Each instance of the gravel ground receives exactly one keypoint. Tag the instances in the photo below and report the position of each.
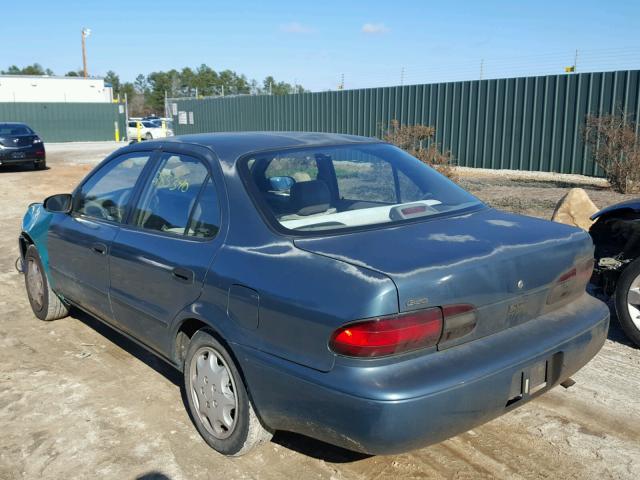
(77, 400)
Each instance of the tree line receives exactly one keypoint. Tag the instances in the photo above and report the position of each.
(146, 93)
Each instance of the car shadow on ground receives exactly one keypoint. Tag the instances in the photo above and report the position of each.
(292, 441)
(21, 168)
(316, 448)
(153, 476)
(616, 334)
(139, 352)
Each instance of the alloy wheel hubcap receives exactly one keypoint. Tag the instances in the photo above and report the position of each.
(34, 280)
(633, 301)
(214, 392)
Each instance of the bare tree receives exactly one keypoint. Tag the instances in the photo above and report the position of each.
(615, 148)
(418, 140)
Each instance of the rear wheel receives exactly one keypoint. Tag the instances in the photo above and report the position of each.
(148, 136)
(44, 302)
(217, 398)
(628, 301)
(40, 165)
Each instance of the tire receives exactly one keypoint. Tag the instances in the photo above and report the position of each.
(148, 136)
(44, 302)
(40, 165)
(234, 429)
(629, 280)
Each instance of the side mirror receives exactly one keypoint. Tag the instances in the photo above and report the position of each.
(60, 203)
(281, 184)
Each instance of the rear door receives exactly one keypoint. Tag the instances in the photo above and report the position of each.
(159, 260)
(79, 243)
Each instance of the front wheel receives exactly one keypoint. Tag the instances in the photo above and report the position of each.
(217, 398)
(628, 301)
(44, 302)
(148, 136)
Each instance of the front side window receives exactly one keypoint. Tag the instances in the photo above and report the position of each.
(334, 188)
(180, 199)
(106, 193)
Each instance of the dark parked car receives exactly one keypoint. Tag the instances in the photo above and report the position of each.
(20, 145)
(329, 285)
(616, 234)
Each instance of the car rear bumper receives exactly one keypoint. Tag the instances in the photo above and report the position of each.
(17, 156)
(395, 407)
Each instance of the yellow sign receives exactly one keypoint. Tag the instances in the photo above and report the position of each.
(570, 69)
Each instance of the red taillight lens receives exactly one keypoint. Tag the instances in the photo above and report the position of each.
(572, 282)
(389, 335)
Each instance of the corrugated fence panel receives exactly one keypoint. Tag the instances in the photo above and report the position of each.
(526, 123)
(67, 122)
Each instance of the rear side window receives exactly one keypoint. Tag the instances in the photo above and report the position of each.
(105, 195)
(179, 199)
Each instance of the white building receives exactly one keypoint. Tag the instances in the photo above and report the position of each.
(37, 88)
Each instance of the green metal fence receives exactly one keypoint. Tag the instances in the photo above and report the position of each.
(68, 122)
(528, 123)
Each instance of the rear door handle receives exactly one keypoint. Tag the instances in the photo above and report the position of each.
(100, 248)
(182, 274)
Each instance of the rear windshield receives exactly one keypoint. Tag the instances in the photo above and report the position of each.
(346, 186)
(15, 129)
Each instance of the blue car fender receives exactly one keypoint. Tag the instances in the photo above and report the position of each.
(35, 225)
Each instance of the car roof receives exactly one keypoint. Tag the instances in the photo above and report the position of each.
(229, 146)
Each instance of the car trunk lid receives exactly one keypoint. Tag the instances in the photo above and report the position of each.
(502, 264)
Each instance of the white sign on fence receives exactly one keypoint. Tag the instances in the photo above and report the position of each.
(190, 118)
(182, 118)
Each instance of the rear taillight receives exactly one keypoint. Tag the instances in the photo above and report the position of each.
(572, 282)
(404, 332)
(389, 335)
(459, 320)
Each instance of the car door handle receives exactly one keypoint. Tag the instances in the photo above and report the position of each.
(182, 274)
(100, 248)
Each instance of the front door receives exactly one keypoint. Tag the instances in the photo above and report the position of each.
(159, 261)
(79, 243)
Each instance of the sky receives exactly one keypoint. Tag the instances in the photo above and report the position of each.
(371, 43)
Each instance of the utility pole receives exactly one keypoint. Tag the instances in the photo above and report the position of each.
(85, 33)
(341, 84)
(481, 68)
(270, 88)
(402, 76)
(575, 62)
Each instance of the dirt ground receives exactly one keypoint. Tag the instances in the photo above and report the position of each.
(78, 400)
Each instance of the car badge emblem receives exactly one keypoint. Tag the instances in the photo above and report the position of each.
(16, 140)
(414, 302)
(520, 284)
